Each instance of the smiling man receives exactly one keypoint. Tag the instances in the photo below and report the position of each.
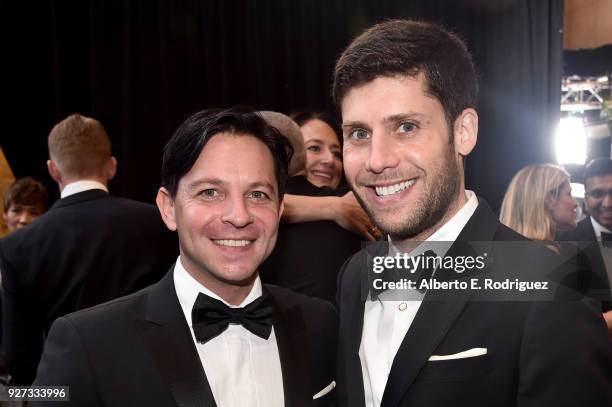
(594, 232)
(407, 91)
(209, 333)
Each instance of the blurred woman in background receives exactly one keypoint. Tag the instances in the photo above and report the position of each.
(323, 149)
(539, 202)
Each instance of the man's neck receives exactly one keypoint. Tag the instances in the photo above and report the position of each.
(453, 208)
(232, 293)
(64, 183)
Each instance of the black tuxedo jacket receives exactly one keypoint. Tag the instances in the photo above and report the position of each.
(538, 354)
(138, 351)
(584, 236)
(89, 248)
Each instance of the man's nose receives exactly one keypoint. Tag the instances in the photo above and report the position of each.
(382, 155)
(237, 212)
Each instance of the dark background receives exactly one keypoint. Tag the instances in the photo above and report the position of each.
(141, 66)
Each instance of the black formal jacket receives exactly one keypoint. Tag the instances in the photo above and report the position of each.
(308, 255)
(538, 354)
(138, 351)
(584, 237)
(88, 248)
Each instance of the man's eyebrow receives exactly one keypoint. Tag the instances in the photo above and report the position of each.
(402, 117)
(211, 181)
(355, 124)
(262, 184)
(393, 119)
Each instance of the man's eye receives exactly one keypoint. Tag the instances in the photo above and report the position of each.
(407, 127)
(210, 193)
(359, 134)
(596, 194)
(259, 195)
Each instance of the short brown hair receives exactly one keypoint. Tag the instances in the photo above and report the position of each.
(79, 146)
(405, 47)
(25, 191)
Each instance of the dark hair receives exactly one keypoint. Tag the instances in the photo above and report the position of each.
(404, 47)
(188, 141)
(597, 168)
(25, 191)
(302, 117)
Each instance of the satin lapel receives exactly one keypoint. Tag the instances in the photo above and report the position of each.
(434, 318)
(593, 249)
(293, 349)
(167, 338)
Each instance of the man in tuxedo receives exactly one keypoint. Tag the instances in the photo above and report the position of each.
(90, 247)
(407, 92)
(594, 233)
(209, 333)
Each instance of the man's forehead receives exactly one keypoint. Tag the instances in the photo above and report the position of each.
(599, 181)
(391, 85)
(227, 155)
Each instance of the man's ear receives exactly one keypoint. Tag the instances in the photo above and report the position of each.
(466, 132)
(54, 171)
(111, 168)
(165, 203)
(281, 209)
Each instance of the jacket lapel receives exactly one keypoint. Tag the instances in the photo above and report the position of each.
(354, 286)
(434, 318)
(167, 337)
(293, 349)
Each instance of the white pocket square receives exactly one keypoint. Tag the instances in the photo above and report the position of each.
(470, 353)
(325, 390)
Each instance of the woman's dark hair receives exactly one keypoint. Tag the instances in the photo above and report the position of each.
(302, 117)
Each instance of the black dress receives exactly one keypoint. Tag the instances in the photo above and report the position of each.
(308, 255)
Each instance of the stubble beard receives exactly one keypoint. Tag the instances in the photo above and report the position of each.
(439, 192)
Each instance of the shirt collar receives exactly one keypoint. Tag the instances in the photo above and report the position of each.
(598, 228)
(187, 290)
(80, 186)
(449, 232)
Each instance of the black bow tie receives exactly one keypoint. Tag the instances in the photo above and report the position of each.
(606, 239)
(210, 317)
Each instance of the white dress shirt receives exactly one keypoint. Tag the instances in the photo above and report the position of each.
(242, 368)
(386, 321)
(80, 186)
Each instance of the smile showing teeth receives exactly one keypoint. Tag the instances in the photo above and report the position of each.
(232, 243)
(393, 189)
(322, 174)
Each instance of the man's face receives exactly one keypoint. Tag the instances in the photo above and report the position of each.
(226, 211)
(18, 216)
(599, 199)
(399, 157)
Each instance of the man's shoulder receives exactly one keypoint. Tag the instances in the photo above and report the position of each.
(582, 232)
(115, 311)
(289, 299)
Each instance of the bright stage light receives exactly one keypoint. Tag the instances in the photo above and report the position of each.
(570, 141)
